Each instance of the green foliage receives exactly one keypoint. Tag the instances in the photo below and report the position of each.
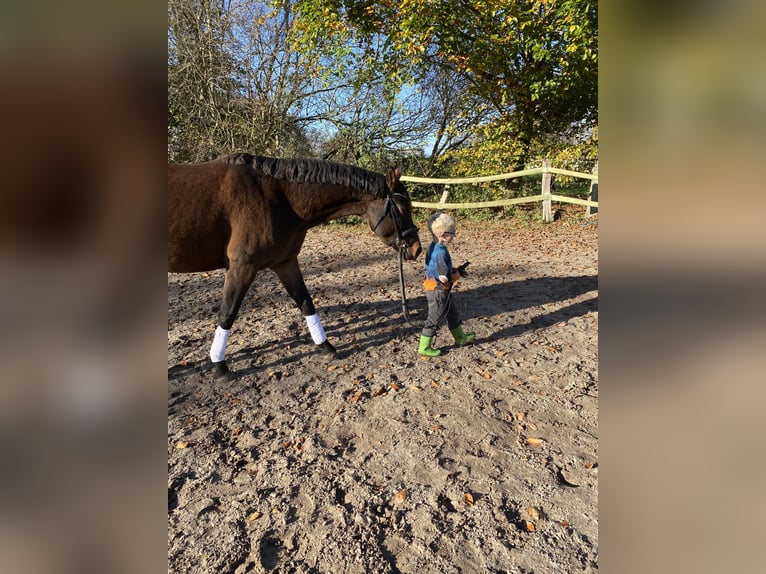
(532, 60)
(576, 152)
(494, 148)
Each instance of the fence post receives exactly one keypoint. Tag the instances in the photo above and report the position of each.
(547, 210)
(593, 193)
(445, 194)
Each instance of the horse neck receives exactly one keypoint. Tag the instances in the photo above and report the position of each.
(326, 202)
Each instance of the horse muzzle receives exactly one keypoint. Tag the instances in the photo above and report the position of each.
(409, 243)
(412, 250)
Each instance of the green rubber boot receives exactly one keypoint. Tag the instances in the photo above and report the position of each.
(462, 338)
(426, 349)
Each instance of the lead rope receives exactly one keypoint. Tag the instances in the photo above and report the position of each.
(405, 310)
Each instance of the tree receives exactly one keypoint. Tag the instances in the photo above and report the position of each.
(481, 85)
(533, 63)
(200, 79)
(231, 83)
(235, 83)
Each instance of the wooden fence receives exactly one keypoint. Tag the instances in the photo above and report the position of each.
(546, 197)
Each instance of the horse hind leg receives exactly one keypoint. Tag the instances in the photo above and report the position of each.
(290, 276)
(235, 285)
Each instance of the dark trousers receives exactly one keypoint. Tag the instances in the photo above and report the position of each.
(440, 307)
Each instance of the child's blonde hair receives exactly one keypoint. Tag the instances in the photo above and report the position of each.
(439, 222)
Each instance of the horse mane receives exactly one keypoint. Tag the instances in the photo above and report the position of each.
(317, 171)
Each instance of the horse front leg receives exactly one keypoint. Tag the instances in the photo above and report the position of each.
(290, 275)
(235, 285)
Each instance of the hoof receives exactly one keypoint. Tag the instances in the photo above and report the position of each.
(221, 372)
(327, 349)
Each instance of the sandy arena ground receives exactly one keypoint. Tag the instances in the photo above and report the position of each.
(482, 460)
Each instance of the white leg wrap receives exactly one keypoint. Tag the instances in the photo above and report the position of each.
(218, 349)
(315, 328)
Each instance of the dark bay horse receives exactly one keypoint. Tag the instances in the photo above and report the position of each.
(246, 213)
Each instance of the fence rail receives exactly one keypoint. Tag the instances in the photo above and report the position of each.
(546, 197)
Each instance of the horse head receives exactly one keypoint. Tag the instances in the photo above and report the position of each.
(392, 215)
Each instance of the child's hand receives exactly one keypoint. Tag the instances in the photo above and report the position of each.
(443, 278)
(461, 270)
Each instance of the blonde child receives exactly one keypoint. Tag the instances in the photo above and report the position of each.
(440, 278)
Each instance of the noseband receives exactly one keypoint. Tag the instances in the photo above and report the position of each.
(389, 208)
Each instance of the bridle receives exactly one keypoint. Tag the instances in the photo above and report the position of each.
(390, 208)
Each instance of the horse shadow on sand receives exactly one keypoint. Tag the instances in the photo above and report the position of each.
(373, 324)
(355, 327)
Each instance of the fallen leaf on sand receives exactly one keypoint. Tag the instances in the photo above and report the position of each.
(533, 513)
(529, 526)
(468, 498)
(400, 496)
(531, 441)
(379, 392)
(395, 386)
(332, 367)
(435, 385)
(185, 443)
(253, 516)
(568, 478)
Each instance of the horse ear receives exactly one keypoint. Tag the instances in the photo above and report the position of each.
(392, 177)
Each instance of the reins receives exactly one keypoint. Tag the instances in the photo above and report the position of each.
(390, 208)
(405, 309)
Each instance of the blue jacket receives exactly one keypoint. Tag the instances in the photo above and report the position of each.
(438, 262)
